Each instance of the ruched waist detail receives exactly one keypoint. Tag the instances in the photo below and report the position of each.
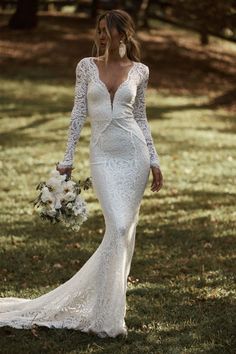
(108, 119)
(112, 129)
(122, 117)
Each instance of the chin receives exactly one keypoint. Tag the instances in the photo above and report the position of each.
(102, 49)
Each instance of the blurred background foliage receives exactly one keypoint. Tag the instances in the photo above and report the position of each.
(205, 16)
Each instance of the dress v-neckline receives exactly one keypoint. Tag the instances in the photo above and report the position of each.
(105, 86)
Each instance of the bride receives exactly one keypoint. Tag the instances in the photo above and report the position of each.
(110, 90)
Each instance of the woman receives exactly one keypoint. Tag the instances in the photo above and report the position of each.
(111, 89)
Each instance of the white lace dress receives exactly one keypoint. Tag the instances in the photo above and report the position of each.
(121, 153)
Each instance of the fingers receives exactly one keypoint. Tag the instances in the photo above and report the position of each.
(64, 170)
(157, 183)
(156, 187)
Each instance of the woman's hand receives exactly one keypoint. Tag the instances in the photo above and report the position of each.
(65, 170)
(157, 182)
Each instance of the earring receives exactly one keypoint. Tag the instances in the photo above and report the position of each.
(122, 49)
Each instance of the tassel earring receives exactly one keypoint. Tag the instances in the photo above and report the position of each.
(122, 49)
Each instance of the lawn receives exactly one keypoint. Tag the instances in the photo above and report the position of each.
(181, 289)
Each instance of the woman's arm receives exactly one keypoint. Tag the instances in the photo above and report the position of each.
(78, 114)
(141, 117)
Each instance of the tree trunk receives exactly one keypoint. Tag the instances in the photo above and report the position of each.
(25, 16)
(140, 11)
(94, 9)
(143, 13)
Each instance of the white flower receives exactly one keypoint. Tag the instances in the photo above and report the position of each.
(68, 186)
(55, 185)
(70, 196)
(79, 201)
(56, 174)
(80, 206)
(46, 195)
(76, 211)
(57, 202)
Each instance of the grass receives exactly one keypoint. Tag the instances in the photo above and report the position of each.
(181, 290)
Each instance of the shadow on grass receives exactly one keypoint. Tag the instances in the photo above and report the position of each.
(186, 68)
(41, 246)
(163, 113)
(184, 270)
(180, 315)
(45, 340)
(14, 106)
(22, 139)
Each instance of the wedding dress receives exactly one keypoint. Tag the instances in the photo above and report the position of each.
(121, 153)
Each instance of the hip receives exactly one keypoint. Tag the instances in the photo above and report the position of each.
(124, 149)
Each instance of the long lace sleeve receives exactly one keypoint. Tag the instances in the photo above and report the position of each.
(78, 114)
(141, 117)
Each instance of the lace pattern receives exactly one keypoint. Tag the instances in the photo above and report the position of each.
(85, 72)
(141, 117)
(78, 114)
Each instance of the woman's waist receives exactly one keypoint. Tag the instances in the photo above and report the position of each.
(107, 117)
(116, 128)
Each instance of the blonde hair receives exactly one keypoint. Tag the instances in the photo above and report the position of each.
(124, 24)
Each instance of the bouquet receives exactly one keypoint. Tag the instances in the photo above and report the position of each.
(59, 200)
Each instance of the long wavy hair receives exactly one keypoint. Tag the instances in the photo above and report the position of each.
(124, 24)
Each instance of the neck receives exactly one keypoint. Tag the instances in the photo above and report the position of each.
(115, 56)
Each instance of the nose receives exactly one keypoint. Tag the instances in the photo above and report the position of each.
(102, 35)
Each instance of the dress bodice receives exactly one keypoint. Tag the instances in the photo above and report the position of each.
(93, 99)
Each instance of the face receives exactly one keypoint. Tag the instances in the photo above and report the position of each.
(103, 38)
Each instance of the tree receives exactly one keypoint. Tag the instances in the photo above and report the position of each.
(25, 16)
(207, 16)
(105, 5)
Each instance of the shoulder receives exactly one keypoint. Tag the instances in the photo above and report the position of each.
(82, 67)
(143, 66)
(143, 70)
(143, 73)
(83, 63)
